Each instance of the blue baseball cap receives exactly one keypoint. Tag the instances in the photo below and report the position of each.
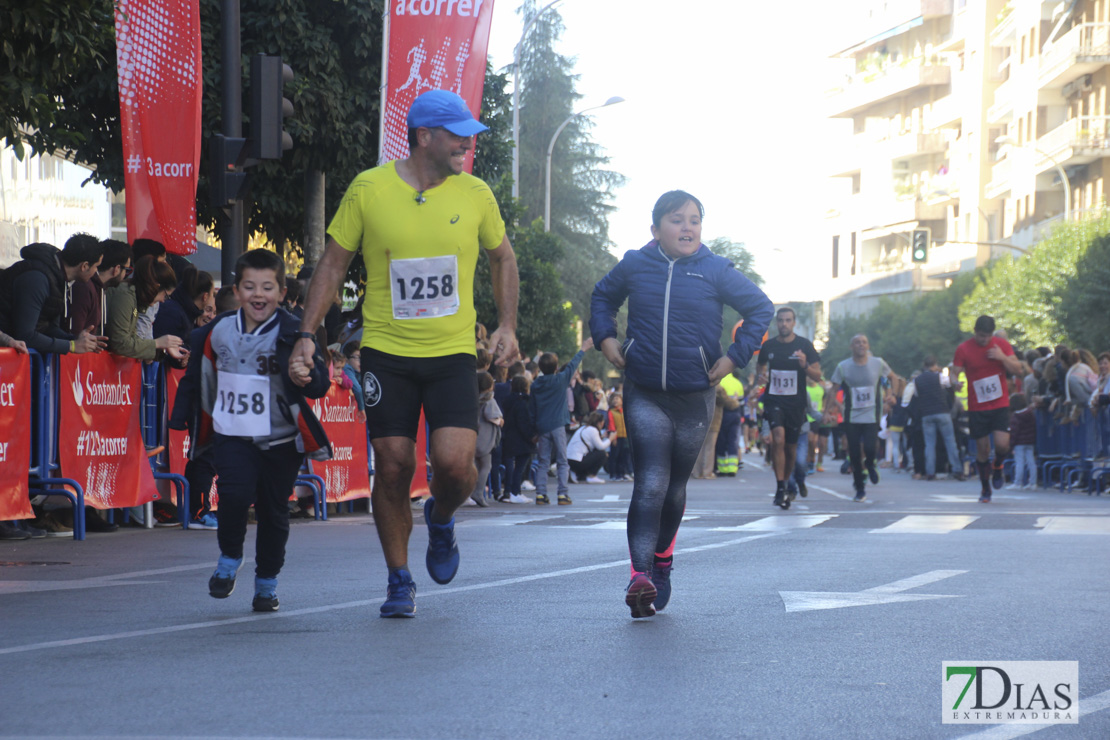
(437, 108)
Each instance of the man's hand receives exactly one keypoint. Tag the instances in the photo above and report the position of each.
(611, 348)
(720, 369)
(301, 362)
(86, 341)
(587, 343)
(995, 353)
(19, 346)
(503, 346)
(800, 356)
(168, 342)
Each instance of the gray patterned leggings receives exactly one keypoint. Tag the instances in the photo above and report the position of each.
(666, 430)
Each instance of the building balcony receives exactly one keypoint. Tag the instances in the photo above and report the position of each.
(944, 112)
(1079, 141)
(1001, 173)
(1003, 34)
(915, 145)
(872, 87)
(1003, 108)
(1080, 51)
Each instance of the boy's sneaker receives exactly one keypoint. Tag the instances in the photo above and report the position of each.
(222, 582)
(442, 558)
(542, 499)
(208, 521)
(640, 595)
(400, 599)
(527, 485)
(873, 474)
(565, 501)
(661, 579)
(519, 498)
(996, 477)
(265, 595)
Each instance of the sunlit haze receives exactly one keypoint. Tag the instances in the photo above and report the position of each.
(722, 99)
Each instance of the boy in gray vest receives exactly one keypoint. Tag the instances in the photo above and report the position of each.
(238, 401)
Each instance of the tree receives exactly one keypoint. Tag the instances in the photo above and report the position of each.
(581, 186)
(744, 261)
(1024, 295)
(59, 92)
(1085, 301)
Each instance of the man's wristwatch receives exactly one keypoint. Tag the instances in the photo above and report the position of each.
(306, 335)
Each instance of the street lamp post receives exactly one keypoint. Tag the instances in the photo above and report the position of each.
(516, 96)
(1008, 141)
(551, 147)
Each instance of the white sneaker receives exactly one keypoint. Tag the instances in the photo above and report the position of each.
(517, 498)
(527, 485)
(470, 502)
(1012, 487)
(1028, 487)
(594, 479)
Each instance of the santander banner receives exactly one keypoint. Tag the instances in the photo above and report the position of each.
(158, 59)
(346, 475)
(15, 435)
(100, 442)
(433, 45)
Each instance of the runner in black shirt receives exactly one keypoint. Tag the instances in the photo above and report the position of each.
(784, 363)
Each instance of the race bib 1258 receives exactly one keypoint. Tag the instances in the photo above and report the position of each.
(424, 287)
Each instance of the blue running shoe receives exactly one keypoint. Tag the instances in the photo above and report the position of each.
(222, 582)
(400, 599)
(873, 474)
(443, 552)
(661, 579)
(208, 521)
(265, 596)
(640, 595)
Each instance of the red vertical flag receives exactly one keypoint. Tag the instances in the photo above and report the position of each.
(159, 72)
(431, 45)
(347, 475)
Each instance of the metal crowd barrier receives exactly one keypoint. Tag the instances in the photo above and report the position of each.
(1073, 454)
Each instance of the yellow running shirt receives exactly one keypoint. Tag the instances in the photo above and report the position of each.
(420, 251)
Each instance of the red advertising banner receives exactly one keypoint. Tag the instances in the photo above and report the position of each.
(100, 443)
(432, 45)
(15, 435)
(159, 72)
(346, 475)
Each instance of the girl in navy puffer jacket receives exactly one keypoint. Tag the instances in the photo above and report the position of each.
(676, 289)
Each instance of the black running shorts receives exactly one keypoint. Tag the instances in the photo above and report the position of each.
(789, 418)
(981, 423)
(396, 388)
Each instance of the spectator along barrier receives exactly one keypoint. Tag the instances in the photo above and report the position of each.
(92, 428)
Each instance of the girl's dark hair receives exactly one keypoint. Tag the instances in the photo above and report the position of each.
(670, 202)
(196, 282)
(485, 382)
(150, 277)
(520, 384)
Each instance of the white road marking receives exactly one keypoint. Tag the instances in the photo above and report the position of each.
(53, 644)
(779, 523)
(920, 524)
(1073, 525)
(754, 464)
(507, 521)
(831, 492)
(801, 601)
(609, 498)
(119, 579)
(1087, 706)
(620, 524)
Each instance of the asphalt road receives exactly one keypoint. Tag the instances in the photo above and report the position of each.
(830, 620)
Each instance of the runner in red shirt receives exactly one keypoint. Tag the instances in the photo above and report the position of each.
(985, 359)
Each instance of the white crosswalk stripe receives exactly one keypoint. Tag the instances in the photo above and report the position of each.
(779, 523)
(1073, 525)
(922, 524)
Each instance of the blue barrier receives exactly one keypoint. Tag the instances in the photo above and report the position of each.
(1068, 452)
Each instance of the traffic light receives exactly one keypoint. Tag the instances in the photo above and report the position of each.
(919, 245)
(226, 180)
(269, 107)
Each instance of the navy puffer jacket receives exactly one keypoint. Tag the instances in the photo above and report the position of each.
(674, 315)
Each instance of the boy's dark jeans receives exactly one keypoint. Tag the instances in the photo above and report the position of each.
(265, 478)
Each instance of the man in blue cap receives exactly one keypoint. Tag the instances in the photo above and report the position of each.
(419, 223)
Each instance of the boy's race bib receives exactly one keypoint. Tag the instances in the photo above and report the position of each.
(242, 405)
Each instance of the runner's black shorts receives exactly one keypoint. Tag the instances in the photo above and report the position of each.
(981, 423)
(395, 389)
(790, 418)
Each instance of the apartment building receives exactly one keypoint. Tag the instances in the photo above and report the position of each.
(983, 121)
